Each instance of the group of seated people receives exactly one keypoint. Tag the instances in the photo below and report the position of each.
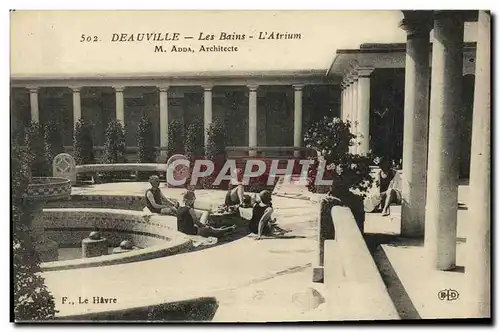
(194, 222)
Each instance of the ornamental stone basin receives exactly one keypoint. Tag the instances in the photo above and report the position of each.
(39, 191)
(48, 189)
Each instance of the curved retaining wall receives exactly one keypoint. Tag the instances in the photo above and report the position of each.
(354, 288)
(68, 226)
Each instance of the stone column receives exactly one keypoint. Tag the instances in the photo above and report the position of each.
(34, 104)
(349, 96)
(342, 101)
(207, 109)
(354, 114)
(252, 118)
(163, 118)
(363, 104)
(77, 105)
(442, 174)
(416, 114)
(478, 231)
(297, 120)
(120, 107)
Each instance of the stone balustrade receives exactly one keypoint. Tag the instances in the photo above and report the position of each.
(354, 288)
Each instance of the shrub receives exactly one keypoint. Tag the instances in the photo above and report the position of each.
(193, 145)
(35, 150)
(83, 144)
(32, 300)
(114, 145)
(331, 137)
(53, 140)
(146, 151)
(175, 143)
(216, 148)
(114, 148)
(194, 140)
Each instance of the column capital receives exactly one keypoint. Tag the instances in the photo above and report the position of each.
(298, 87)
(252, 87)
(208, 87)
(32, 89)
(364, 71)
(119, 88)
(163, 88)
(75, 89)
(417, 23)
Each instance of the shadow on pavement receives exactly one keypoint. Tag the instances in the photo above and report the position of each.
(395, 288)
(200, 309)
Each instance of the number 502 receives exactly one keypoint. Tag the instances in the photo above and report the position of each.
(85, 38)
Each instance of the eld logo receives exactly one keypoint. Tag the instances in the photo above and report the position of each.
(448, 295)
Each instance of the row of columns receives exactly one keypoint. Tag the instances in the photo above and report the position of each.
(355, 106)
(431, 148)
(207, 111)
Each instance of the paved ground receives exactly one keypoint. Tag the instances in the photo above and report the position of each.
(411, 281)
(267, 280)
(252, 280)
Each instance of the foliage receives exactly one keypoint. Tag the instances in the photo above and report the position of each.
(216, 149)
(146, 151)
(83, 144)
(114, 145)
(194, 140)
(35, 150)
(32, 300)
(114, 148)
(53, 140)
(331, 138)
(175, 143)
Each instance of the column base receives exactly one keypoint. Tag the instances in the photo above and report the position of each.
(318, 274)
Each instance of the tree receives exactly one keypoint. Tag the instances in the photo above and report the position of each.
(32, 300)
(331, 138)
(83, 144)
(53, 140)
(175, 143)
(36, 153)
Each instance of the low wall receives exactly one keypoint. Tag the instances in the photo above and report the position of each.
(354, 288)
(68, 226)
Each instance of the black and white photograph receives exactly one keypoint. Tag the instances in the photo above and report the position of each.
(244, 166)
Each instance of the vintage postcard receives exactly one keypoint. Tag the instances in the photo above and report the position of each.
(250, 166)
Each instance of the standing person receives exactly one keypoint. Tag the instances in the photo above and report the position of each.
(156, 202)
(191, 222)
(389, 194)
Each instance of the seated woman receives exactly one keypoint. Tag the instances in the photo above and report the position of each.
(389, 193)
(156, 202)
(191, 222)
(235, 195)
(262, 222)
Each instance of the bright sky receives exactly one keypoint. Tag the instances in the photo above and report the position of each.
(48, 42)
